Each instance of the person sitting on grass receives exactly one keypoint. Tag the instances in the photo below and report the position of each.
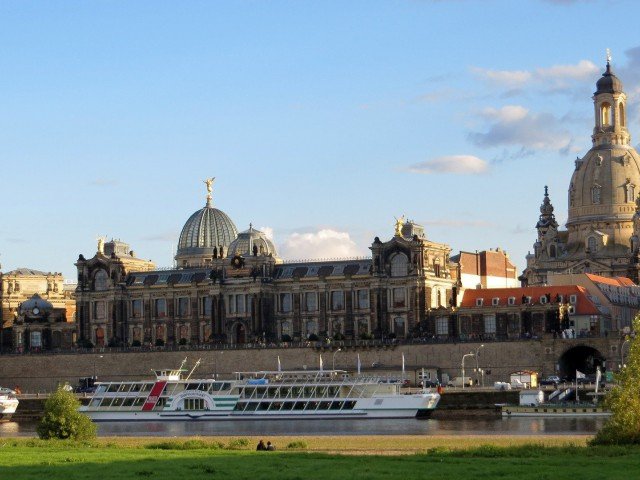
(270, 447)
(261, 446)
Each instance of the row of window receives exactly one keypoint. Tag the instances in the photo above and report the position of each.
(544, 299)
(310, 301)
(299, 406)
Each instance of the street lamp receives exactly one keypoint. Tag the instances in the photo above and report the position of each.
(470, 354)
(477, 366)
(333, 358)
(622, 352)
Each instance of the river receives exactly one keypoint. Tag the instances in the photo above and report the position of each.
(465, 426)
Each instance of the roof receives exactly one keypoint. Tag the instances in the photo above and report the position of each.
(336, 268)
(615, 281)
(27, 272)
(583, 305)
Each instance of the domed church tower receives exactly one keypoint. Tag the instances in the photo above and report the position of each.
(206, 235)
(602, 195)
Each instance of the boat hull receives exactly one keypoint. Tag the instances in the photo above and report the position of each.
(554, 411)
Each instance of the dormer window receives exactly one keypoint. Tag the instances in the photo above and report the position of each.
(573, 299)
(543, 299)
(495, 301)
(479, 302)
(511, 301)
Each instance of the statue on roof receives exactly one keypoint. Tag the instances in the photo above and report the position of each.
(209, 183)
(399, 223)
(101, 245)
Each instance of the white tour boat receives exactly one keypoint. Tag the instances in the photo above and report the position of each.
(257, 395)
(8, 404)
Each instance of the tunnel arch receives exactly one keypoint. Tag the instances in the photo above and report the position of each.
(581, 357)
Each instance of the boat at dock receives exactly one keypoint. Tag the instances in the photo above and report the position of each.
(308, 394)
(561, 403)
(8, 404)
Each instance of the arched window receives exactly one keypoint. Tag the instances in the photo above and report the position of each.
(605, 114)
(312, 327)
(101, 280)
(621, 113)
(630, 193)
(595, 194)
(285, 328)
(398, 326)
(552, 251)
(399, 264)
(592, 244)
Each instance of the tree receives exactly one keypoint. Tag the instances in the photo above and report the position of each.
(63, 420)
(623, 427)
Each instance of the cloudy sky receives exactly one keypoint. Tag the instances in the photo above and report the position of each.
(322, 121)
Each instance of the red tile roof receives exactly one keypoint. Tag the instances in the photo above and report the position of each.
(583, 306)
(617, 281)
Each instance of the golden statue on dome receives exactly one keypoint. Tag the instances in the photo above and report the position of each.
(209, 183)
(399, 223)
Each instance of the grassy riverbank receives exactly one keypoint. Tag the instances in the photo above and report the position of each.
(317, 457)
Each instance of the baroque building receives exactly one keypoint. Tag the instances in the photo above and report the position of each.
(37, 311)
(601, 227)
(233, 287)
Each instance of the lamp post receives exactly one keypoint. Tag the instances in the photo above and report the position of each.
(215, 365)
(333, 358)
(470, 354)
(477, 366)
(622, 352)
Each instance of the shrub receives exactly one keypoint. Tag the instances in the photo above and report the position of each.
(312, 337)
(136, 343)
(623, 427)
(159, 342)
(286, 338)
(183, 341)
(297, 445)
(84, 343)
(238, 444)
(62, 420)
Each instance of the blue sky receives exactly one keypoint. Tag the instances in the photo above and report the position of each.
(321, 121)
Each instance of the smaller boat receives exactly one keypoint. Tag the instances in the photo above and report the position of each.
(8, 404)
(560, 403)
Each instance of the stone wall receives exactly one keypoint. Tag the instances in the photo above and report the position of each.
(42, 373)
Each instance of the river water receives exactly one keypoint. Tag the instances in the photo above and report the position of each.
(465, 426)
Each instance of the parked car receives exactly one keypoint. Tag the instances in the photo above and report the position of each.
(429, 383)
(553, 380)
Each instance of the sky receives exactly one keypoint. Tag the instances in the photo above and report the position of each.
(322, 121)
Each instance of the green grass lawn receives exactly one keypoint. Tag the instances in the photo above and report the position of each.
(212, 459)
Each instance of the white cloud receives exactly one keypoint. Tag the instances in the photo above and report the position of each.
(455, 164)
(324, 243)
(515, 125)
(268, 232)
(556, 77)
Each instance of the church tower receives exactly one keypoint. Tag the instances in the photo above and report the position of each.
(602, 195)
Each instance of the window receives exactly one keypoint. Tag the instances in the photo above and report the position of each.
(621, 114)
(543, 299)
(240, 304)
(399, 298)
(605, 114)
(194, 404)
(312, 327)
(337, 300)
(161, 307)
(101, 280)
(442, 326)
(363, 299)
(311, 301)
(436, 268)
(231, 305)
(183, 306)
(595, 194)
(511, 301)
(552, 251)
(573, 299)
(495, 301)
(592, 244)
(136, 308)
(489, 324)
(630, 193)
(285, 328)
(206, 306)
(479, 302)
(285, 302)
(98, 310)
(399, 265)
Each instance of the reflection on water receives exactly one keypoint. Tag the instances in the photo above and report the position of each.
(465, 426)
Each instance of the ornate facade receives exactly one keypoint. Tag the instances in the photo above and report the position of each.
(602, 195)
(238, 290)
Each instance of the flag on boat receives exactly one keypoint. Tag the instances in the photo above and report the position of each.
(359, 364)
(403, 366)
(279, 365)
(320, 362)
(580, 375)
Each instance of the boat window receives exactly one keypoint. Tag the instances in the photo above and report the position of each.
(138, 402)
(95, 402)
(113, 387)
(275, 406)
(299, 405)
(287, 406)
(146, 387)
(124, 387)
(128, 402)
(240, 406)
(161, 403)
(273, 392)
(194, 404)
(263, 406)
(117, 402)
(226, 386)
(135, 387)
(324, 406)
(101, 389)
(251, 407)
(106, 402)
(336, 405)
(312, 405)
(285, 392)
(191, 386)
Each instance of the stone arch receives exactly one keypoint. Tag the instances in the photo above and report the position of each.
(239, 333)
(581, 357)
